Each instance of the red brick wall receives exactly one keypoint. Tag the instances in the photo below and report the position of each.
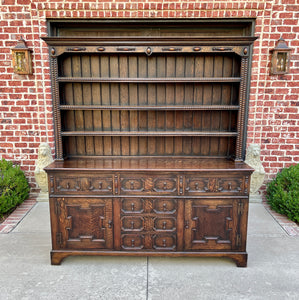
(26, 108)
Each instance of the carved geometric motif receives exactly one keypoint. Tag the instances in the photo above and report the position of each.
(212, 186)
(132, 184)
(96, 185)
(164, 242)
(68, 184)
(132, 205)
(148, 205)
(148, 217)
(132, 242)
(211, 226)
(132, 223)
(165, 206)
(231, 185)
(165, 224)
(86, 223)
(165, 185)
(197, 185)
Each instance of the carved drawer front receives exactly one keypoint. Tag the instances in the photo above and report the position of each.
(164, 206)
(129, 223)
(132, 205)
(132, 241)
(165, 224)
(83, 185)
(197, 185)
(138, 184)
(67, 184)
(98, 185)
(165, 242)
(148, 205)
(132, 185)
(209, 185)
(231, 185)
(165, 185)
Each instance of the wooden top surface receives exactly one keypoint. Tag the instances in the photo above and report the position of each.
(149, 164)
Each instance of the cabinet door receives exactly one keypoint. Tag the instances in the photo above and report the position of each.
(83, 223)
(212, 224)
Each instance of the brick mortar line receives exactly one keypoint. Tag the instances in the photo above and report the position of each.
(159, 10)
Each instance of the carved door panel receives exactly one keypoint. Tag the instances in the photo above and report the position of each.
(212, 224)
(84, 223)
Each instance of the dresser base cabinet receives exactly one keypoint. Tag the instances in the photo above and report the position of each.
(175, 208)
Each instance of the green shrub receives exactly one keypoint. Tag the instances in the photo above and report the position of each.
(14, 188)
(283, 193)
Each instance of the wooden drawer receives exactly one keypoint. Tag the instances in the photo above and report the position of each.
(148, 205)
(93, 185)
(198, 185)
(149, 185)
(165, 224)
(135, 223)
(164, 206)
(161, 242)
(148, 224)
(164, 242)
(132, 205)
(132, 241)
(143, 184)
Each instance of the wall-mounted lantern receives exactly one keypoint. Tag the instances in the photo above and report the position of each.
(280, 61)
(21, 58)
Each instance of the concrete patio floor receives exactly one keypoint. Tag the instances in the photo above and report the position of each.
(26, 273)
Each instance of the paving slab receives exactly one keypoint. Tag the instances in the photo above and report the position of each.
(261, 223)
(26, 273)
(272, 272)
(37, 220)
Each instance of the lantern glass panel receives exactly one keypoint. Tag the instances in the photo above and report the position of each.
(282, 60)
(20, 65)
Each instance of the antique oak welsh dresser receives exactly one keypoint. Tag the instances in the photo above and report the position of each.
(150, 126)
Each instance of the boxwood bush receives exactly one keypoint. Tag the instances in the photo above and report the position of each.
(14, 188)
(283, 193)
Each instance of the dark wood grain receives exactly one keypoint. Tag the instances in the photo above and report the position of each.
(149, 163)
(148, 127)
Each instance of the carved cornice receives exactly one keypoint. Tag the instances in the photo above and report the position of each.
(238, 45)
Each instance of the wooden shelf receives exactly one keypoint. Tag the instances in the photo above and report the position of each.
(149, 107)
(149, 133)
(150, 80)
